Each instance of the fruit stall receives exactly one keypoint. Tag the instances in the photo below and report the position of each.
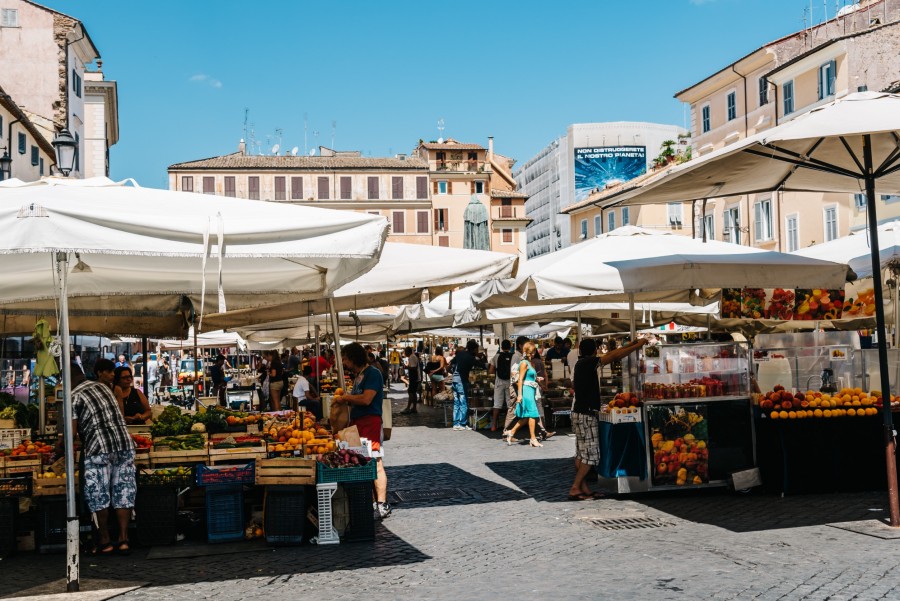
(689, 424)
(212, 476)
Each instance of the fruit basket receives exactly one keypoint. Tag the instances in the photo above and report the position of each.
(175, 477)
(226, 474)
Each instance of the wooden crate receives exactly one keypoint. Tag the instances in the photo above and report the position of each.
(142, 458)
(162, 458)
(42, 487)
(18, 465)
(290, 471)
(238, 455)
(142, 429)
(203, 435)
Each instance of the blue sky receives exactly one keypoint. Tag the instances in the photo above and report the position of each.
(386, 72)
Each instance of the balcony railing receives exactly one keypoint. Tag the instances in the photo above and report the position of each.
(462, 166)
(508, 212)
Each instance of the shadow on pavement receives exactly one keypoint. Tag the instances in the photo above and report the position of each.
(429, 477)
(545, 480)
(757, 511)
(28, 571)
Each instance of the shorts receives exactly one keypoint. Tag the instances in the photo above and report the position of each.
(501, 393)
(437, 378)
(587, 438)
(370, 426)
(276, 386)
(109, 480)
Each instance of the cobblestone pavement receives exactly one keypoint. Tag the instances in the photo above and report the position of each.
(509, 532)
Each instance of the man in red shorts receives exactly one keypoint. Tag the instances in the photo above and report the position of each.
(365, 400)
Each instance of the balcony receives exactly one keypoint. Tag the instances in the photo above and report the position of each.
(459, 166)
(509, 213)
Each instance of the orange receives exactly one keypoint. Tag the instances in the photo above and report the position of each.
(783, 415)
(851, 412)
(773, 415)
(817, 413)
(826, 413)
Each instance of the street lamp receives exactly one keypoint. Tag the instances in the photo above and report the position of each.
(5, 165)
(66, 147)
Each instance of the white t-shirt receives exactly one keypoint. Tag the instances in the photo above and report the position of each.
(301, 388)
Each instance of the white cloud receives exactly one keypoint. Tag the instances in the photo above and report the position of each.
(210, 81)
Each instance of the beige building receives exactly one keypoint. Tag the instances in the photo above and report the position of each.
(395, 188)
(44, 56)
(30, 153)
(461, 172)
(101, 122)
(854, 51)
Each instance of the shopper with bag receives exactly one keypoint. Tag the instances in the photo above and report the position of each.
(526, 405)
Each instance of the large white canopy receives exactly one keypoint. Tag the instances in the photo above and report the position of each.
(402, 273)
(856, 249)
(653, 266)
(136, 251)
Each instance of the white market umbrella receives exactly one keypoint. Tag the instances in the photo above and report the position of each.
(849, 145)
(366, 323)
(129, 249)
(402, 273)
(637, 264)
(856, 249)
(216, 339)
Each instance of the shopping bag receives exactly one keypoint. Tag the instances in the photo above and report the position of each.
(351, 436)
(339, 417)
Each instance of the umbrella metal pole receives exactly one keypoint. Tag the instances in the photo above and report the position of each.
(896, 312)
(578, 332)
(195, 367)
(42, 404)
(146, 370)
(632, 364)
(889, 441)
(72, 530)
(337, 342)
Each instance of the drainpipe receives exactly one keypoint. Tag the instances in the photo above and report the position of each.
(9, 142)
(775, 87)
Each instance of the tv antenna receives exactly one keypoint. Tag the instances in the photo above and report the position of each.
(316, 138)
(440, 126)
(305, 129)
(278, 134)
(246, 120)
(312, 152)
(333, 131)
(276, 148)
(294, 151)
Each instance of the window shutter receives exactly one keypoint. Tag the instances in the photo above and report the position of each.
(434, 185)
(443, 240)
(422, 222)
(346, 187)
(373, 188)
(832, 77)
(229, 186)
(35, 155)
(280, 187)
(398, 223)
(296, 188)
(209, 184)
(187, 183)
(421, 187)
(323, 188)
(397, 188)
(820, 89)
(22, 142)
(436, 217)
(253, 187)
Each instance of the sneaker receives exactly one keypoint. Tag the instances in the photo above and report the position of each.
(457, 427)
(383, 510)
(465, 428)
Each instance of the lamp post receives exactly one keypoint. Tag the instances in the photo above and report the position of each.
(66, 148)
(5, 165)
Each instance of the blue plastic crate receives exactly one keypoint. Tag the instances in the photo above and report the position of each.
(362, 473)
(225, 513)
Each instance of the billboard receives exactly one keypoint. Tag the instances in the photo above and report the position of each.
(597, 167)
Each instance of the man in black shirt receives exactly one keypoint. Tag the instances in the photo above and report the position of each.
(462, 364)
(585, 422)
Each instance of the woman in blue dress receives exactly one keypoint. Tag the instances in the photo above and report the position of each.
(526, 406)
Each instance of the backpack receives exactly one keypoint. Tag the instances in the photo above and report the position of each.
(504, 360)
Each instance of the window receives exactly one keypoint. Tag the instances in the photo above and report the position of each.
(676, 213)
(35, 156)
(763, 91)
(611, 221)
(346, 187)
(827, 76)
(831, 225)
(280, 187)
(323, 188)
(397, 187)
(253, 187)
(443, 240)
(440, 220)
(9, 17)
(422, 187)
(859, 201)
(762, 225)
(787, 92)
(506, 209)
(862, 88)
(626, 215)
(889, 198)
(705, 118)
(76, 83)
(229, 186)
(22, 143)
(709, 225)
(187, 183)
(209, 185)
(793, 237)
(398, 222)
(41, 169)
(598, 225)
(296, 188)
(373, 188)
(478, 188)
(732, 105)
(441, 187)
(421, 222)
(584, 233)
(732, 229)
(506, 236)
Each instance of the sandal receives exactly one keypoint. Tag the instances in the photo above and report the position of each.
(597, 495)
(534, 442)
(578, 497)
(123, 548)
(105, 549)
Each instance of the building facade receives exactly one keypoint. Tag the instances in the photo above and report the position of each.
(45, 55)
(590, 157)
(30, 152)
(855, 51)
(101, 122)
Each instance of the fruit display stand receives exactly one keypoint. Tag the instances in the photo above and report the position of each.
(169, 450)
(697, 416)
(234, 448)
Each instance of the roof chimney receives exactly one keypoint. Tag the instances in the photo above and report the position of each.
(242, 147)
(490, 147)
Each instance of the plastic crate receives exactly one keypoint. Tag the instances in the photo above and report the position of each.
(9, 513)
(362, 514)
(169, 477)
(226, 474)
(362, 473)
(17, 485)
(50, 529)
(156, 513)
(224, 513)
(285, 514)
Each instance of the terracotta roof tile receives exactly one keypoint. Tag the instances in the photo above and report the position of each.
(451, 146)
(240, 161)
(495, 193)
